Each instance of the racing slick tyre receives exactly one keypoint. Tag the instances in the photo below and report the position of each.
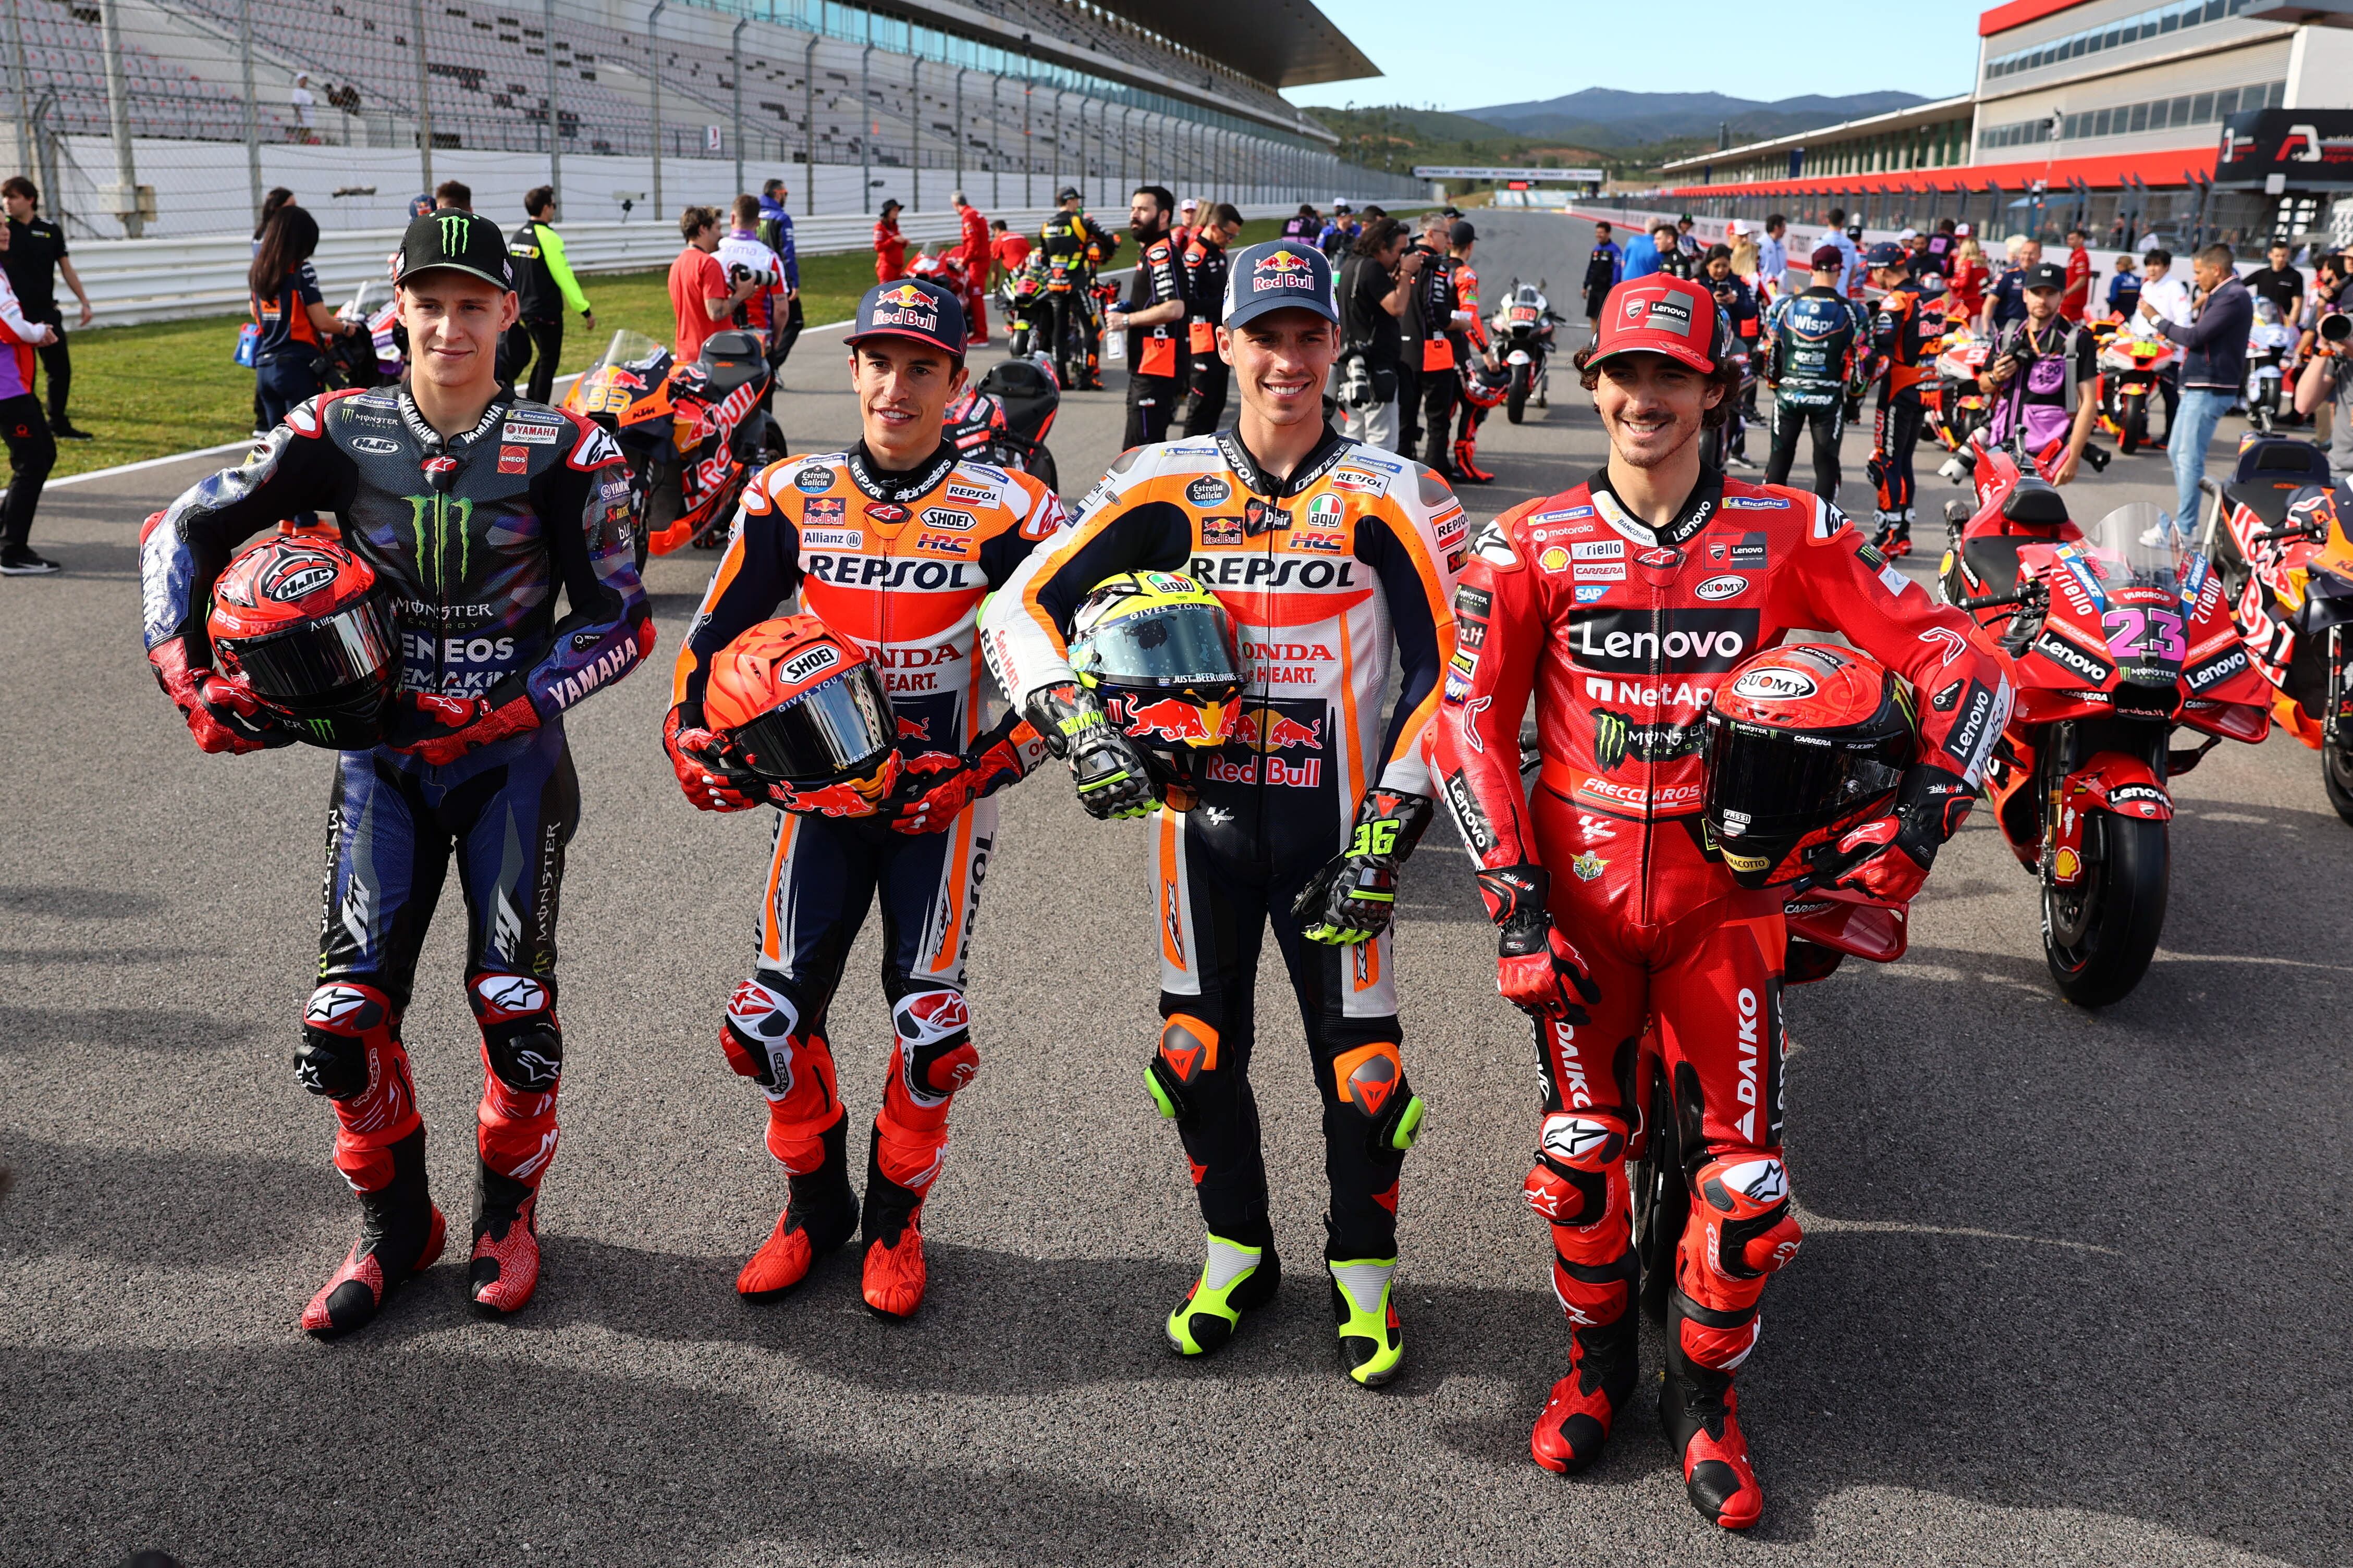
(1661, 1203)
(2099, 935)
(2134, 435)
(1516, 401)
(2336, 777)
(1042, 469)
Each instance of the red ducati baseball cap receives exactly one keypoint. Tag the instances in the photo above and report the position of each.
(1660, 315)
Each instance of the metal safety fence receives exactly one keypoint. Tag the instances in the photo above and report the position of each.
(148, 118)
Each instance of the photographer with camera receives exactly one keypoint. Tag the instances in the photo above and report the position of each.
(2322, 379)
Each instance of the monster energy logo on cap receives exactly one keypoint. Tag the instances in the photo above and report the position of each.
(457, 242)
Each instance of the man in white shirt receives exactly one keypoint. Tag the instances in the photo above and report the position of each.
(1772, 258)
(2167, 298)
(305, 110)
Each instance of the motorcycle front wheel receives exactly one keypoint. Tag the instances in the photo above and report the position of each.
(2099, 935)
(2336, 777)
(1516, 401)
(2135, 434)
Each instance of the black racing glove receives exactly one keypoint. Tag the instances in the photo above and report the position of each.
(1113, 774)
(1352, 898)
(1930, 806)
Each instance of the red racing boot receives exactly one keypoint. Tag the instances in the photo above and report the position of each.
(401, 1235)
(1579, 1184)
(1700, 1412)
(821, 1215)
(894, 1242)
(504, 1269)
(1584, 1406)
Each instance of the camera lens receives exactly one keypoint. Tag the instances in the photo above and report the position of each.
(2336, 327)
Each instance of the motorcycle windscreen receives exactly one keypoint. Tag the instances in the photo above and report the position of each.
(319, 665)
(1180, 648)
(836, 730)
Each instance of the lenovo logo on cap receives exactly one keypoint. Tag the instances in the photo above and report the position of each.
(1661, 312)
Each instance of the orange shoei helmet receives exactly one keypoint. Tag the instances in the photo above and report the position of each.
(1802, 743)
(302, 621)
(802, 704)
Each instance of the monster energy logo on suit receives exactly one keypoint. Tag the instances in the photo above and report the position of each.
(436, 550)
(1616, 736)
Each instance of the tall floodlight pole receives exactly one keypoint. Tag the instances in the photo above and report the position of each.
(25, 85)
(809, 128)
(424, 97)
(653, 74)
(866, 120)
(735, 60)
(118, 109)
(915, 128)
(252, 112)
(554, 109)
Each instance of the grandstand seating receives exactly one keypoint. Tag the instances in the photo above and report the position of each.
(62, 57)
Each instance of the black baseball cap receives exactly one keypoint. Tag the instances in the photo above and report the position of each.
(1279, 274)
(914, 307)
(1462, 233)
(457, 242)
(1069, 194)
(2045, 275)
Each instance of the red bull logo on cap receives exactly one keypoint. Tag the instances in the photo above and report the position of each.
(904, 294)
(1281, 270)
(905, 306)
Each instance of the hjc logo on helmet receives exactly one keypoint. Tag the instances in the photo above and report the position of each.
(299, 578)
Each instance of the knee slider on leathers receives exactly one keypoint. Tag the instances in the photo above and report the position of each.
(1188, 1049)
(520, 1033)
(333, 1059)
(936, 1055)
(1372, 1079)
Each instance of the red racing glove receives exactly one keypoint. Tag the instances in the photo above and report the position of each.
(1537, 969)
(937, 786)
(713, 780)
(222, 714)
(438, 731)
(1930, 806)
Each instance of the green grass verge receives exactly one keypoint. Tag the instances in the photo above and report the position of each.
(174, 387)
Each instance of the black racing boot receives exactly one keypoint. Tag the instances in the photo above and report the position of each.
(504, 1270)
(401, 1235)
(820, 1216)
(1699, 1412)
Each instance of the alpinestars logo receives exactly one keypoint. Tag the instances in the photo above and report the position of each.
(1616, 737)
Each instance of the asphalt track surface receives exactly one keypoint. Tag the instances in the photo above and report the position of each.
(2072, 1291)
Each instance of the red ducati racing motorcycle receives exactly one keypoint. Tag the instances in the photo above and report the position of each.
(2114, 644)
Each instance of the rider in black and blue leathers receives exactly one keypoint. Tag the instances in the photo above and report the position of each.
(1814, 341)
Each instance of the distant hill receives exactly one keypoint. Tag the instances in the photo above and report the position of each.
(1603, 117)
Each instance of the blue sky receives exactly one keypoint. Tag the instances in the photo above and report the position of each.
(1507, 51)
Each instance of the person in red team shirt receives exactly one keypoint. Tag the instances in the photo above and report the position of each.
(975, 250)
(890, 245)
(2072, 304)
(1619, 602)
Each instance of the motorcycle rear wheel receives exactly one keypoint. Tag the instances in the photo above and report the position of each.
(1661, 1203)
(2099, 936)
(1516, 401)
(2135, 434)
(2336, 778)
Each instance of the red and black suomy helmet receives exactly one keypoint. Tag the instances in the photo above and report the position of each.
(1802, 743)
(303, 622)
(802, 704)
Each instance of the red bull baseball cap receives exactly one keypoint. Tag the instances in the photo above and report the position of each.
(1280, 275)
(1662, 315)
(912, 308)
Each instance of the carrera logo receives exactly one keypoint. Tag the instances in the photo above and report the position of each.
(375, 445)
(1775, 683)
(815, 661)
(1672, 641)
(1726, 587)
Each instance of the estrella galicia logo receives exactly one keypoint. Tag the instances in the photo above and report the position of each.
(1616, 737)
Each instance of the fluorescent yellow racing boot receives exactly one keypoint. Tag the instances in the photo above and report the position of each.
(1372, 1340)
(1235, 1279)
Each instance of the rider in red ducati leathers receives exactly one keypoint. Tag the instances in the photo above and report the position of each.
(1620, 603)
